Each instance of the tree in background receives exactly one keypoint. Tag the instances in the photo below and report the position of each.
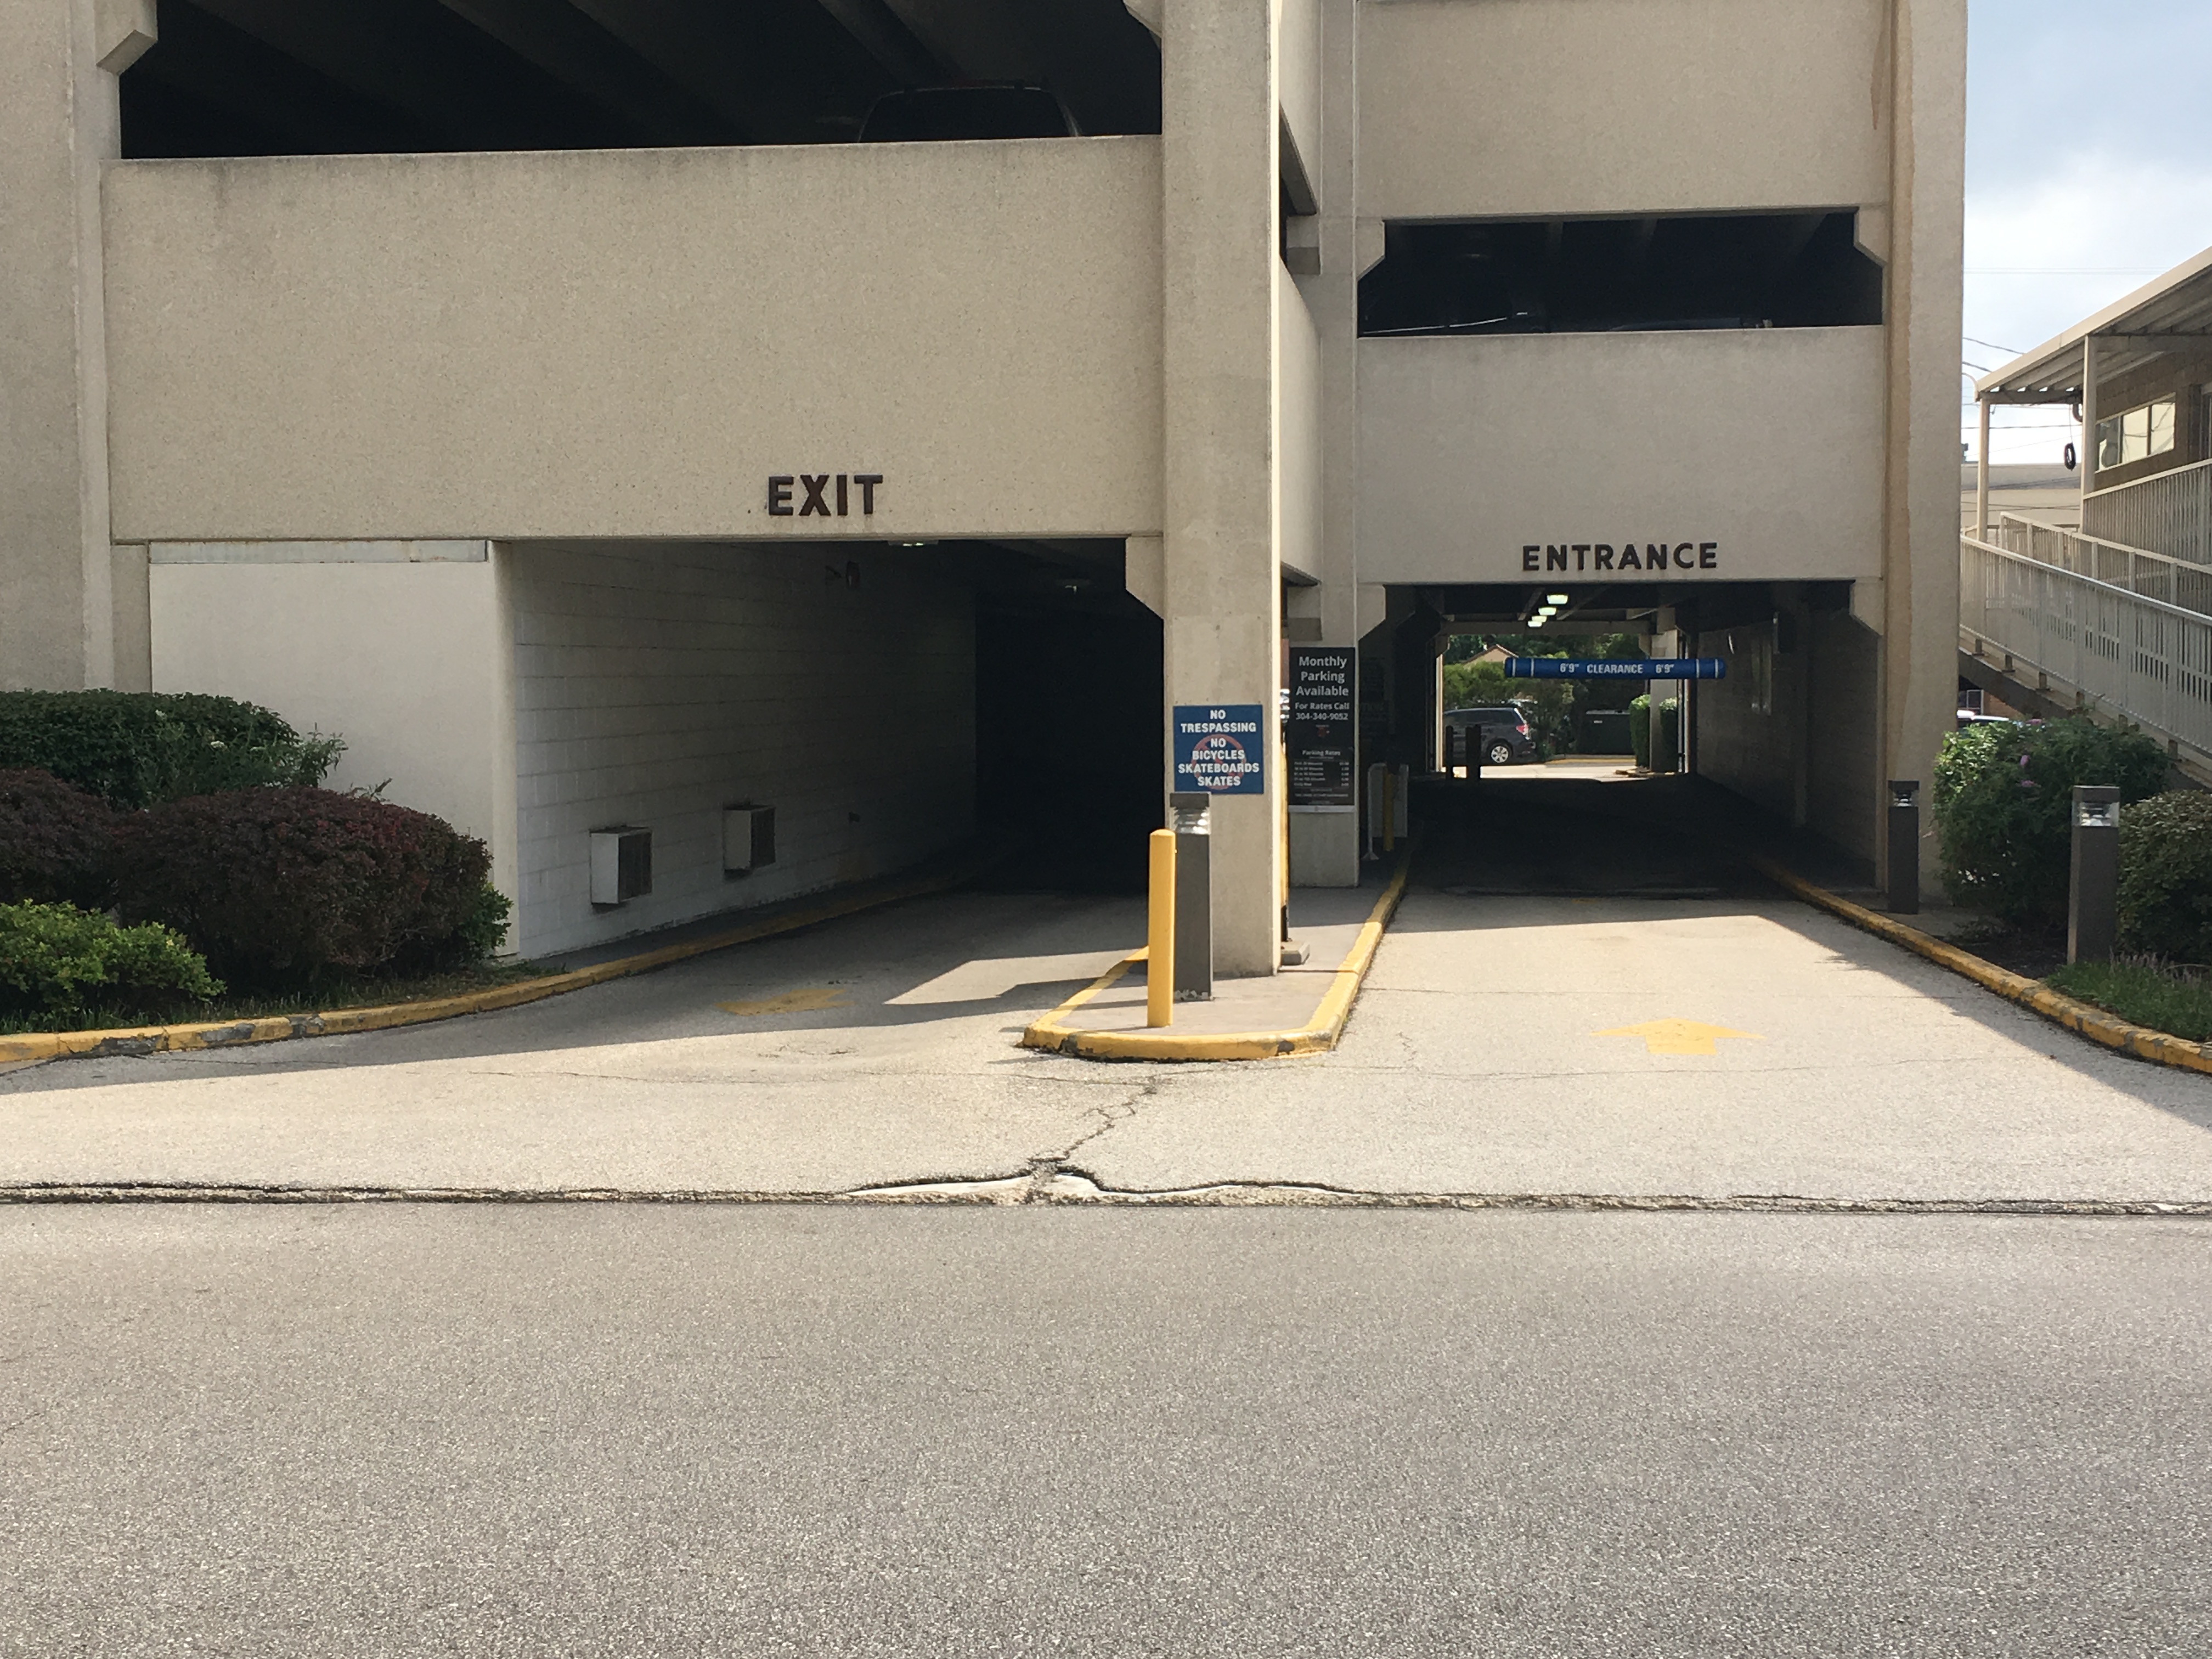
(1551, 705)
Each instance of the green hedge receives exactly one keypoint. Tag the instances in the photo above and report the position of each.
(136, 748)
(2166, 876)
(2003, 807)
(61, 965)
(281, 887)
(56, 842)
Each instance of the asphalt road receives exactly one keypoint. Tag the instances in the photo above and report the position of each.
(626, 1429)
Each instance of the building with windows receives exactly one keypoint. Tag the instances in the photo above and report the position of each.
(559, 399)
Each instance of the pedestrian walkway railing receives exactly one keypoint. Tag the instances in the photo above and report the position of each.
(2139, 570)
(2140, 658)
(2169, 513)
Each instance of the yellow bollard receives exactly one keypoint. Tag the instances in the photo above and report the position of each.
(1159, 943)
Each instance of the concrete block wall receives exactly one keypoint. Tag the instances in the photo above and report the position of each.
(657, 682)
(1793, 726)
(1744, 734)
(1841, 797)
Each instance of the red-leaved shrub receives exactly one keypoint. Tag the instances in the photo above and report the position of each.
(56, 842)
(279, 885)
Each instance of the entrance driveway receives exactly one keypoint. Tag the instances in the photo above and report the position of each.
(1546, 1017)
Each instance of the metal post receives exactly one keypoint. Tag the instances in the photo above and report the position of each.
(2093, 901)
(1390, 809)
(1159, 935)
(1905, 846)
(1981, 476)
(1190, 815)
(2088, 413)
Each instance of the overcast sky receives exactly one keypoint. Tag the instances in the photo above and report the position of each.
(2088, 172)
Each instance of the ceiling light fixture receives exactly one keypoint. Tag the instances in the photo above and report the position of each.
(1555, 599)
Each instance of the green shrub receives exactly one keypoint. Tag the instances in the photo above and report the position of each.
(482, 929)
(57, 843)
(58, 964)
(2003, 800)
(2166, 876)
(136, 748)
(1639, 729)
(277, 886)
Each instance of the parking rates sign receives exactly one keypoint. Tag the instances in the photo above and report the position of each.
(1220, 749)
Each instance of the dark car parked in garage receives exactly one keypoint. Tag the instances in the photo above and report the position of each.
(1504, 737)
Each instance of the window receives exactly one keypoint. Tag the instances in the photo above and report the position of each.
(2136, 436)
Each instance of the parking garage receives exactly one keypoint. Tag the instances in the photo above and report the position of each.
(568, 403)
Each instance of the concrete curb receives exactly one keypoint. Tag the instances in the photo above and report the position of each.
(1318, 1035)
(2081, 1018)
(32, 1046)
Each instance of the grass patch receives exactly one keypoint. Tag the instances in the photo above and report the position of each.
(368, 992)
(2143, 992)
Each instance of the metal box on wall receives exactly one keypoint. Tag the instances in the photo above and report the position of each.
(748, 839)
(622, 865)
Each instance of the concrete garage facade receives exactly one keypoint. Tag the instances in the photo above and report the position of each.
(662, 449)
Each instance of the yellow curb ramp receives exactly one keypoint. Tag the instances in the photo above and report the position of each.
(31, 1046)
(2084, 1018)
(1318, 1036)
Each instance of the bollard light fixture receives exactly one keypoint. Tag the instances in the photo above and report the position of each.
(1904, 791)
(2096, 814)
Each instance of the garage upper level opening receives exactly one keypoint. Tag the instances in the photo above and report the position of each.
(1608, 275)
(324, 77)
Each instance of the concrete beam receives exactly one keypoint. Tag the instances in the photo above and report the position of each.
(393, 55)
(565, 44)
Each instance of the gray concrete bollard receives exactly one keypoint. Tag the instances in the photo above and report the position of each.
(1190, 815)
(1905, 846)
(2093, 896)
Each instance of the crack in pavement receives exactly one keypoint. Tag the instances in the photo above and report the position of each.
(1050, 1181)
(1109, 1116)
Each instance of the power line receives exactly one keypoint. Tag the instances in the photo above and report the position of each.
(2009, 351)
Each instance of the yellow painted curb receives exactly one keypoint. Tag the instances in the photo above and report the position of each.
(2075, 1015)
(1318, 1035)
(34, 1045)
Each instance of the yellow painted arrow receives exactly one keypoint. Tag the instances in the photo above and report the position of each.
(794, 1002)
(1678, 1036)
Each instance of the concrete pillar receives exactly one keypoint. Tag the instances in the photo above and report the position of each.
(58, 125)
(1927, 112)
(1221, 561)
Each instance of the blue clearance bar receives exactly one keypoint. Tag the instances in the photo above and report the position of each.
(1595, 668)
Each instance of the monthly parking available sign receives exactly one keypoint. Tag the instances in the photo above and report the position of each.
(1220, 749)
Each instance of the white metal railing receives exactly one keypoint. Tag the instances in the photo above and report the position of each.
(2169, 513)
(2138, 569)
(2138, 657)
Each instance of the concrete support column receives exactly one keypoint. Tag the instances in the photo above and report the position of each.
(1221, 561)
(2088, 413)
(1982, 472)
(1927, 110)
(58, 123)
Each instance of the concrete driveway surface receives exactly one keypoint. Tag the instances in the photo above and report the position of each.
(1518, 1036)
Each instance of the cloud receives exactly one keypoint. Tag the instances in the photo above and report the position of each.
(2045, 252)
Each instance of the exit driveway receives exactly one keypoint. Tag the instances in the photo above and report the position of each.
(1505, 1044)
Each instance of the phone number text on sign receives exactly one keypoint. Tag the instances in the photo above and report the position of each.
(1220, 749)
